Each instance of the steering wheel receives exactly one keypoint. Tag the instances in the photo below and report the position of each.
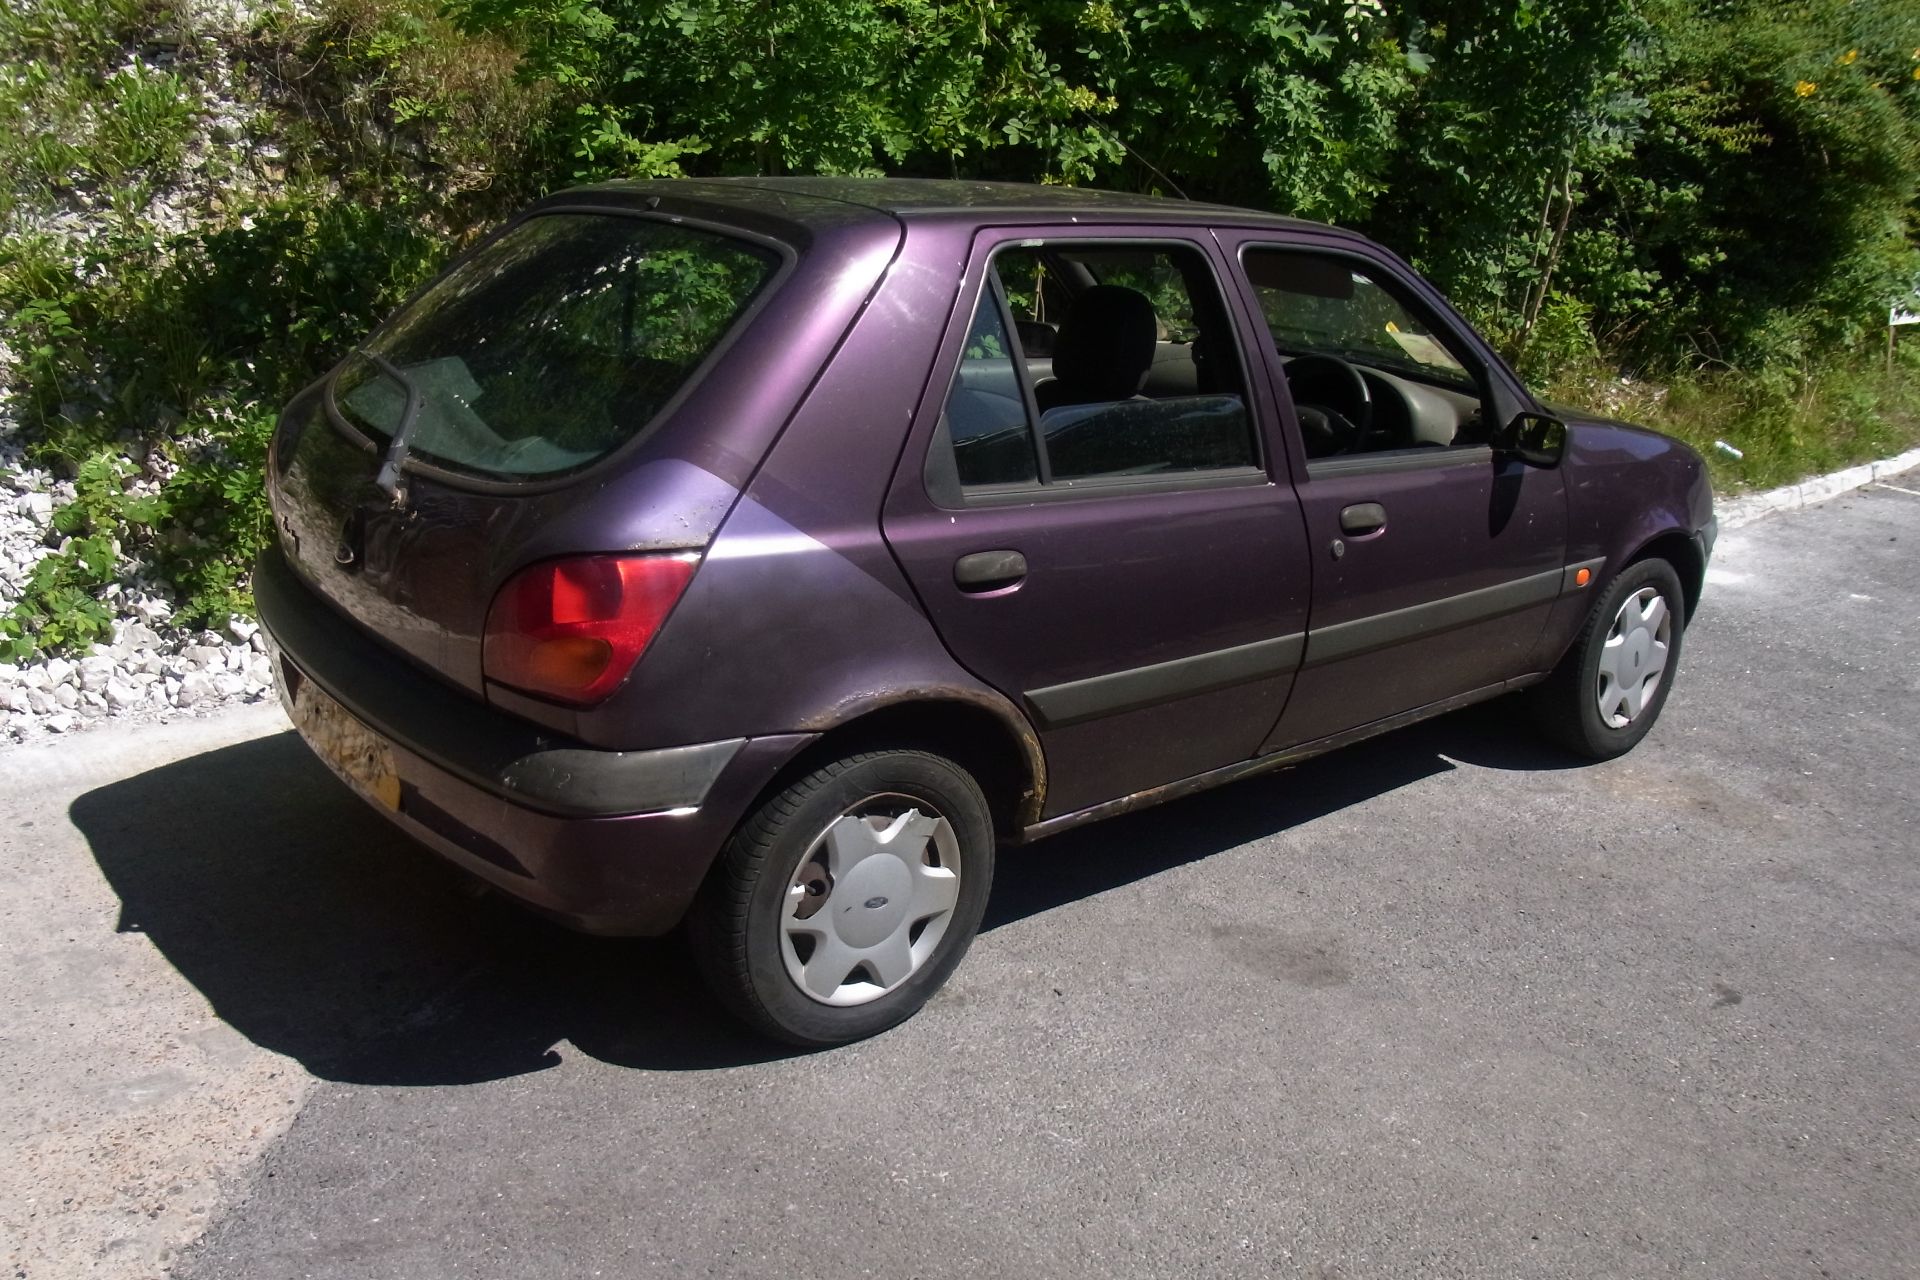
(1333, 392)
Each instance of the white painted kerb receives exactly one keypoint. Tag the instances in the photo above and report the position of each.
(1750, 507)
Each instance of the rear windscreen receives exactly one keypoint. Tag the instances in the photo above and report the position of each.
(554, 344)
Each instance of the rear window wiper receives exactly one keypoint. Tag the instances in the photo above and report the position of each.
(390, 479)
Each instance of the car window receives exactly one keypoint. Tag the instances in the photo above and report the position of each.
(1368, 371)
(1330, 305)
(552, 345)
(1158, 275)
(1141, 376)
(986, 416)
(1038, 293)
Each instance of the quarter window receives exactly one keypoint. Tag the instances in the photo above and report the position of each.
(1097, 363)
(986, 417)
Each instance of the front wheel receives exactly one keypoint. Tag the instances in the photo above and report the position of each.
(1609, 689)
(846, 899)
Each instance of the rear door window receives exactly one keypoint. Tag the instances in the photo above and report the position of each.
(554, 344)
(1088, 362)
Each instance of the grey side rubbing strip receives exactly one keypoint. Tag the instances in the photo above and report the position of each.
(1364, 635)
(1078, 700)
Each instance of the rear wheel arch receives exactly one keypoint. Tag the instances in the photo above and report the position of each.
(990, 741)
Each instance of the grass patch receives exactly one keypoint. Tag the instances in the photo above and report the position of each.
(81, 114)
(1787, 423)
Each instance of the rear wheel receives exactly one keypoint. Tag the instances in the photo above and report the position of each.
(1609, 689)
(845, 901)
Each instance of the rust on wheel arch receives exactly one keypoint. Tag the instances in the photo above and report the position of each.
(855, 707)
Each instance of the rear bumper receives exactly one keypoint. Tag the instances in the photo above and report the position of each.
(606, 841)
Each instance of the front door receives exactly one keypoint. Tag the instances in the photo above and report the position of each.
(1436, 558)
(1096, 532)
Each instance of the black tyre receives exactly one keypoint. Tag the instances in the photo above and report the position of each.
(844, 901)
(1609, 689)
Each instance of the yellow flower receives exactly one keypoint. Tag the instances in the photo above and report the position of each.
(1807, 88)
(1850, 57)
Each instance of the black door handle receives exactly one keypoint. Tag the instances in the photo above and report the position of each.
(1363, 517)
(985, 570)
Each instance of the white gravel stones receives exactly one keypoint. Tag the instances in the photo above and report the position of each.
(146, 670)
(36, 507)
(151, 669)
(194, 689)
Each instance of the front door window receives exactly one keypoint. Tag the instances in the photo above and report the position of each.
(1368, 371)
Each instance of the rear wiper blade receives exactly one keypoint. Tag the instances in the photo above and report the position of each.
(390, 479)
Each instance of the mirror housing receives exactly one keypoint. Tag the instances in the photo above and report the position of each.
(1537, 439)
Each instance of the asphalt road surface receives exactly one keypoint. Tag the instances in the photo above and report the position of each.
(1441, 1004)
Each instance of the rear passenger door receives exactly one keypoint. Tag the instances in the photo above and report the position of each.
(1098, 533)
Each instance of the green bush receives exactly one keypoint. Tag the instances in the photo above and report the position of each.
(1689, 212)
(179, 357)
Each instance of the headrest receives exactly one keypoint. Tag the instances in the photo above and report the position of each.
(1106, 344)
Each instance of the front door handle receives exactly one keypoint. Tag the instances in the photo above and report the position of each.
(988, 570)
(1363, 518)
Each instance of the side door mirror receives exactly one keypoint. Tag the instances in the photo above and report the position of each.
(1535, 438)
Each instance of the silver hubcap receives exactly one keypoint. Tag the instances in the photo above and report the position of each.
(1634, 657)
(871, 901)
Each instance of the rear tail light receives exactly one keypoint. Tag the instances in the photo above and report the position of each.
(571, 630)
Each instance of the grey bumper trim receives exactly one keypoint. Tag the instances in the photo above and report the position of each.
(585, 780)
(512, 758)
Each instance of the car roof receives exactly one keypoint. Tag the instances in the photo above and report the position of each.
(942, 199)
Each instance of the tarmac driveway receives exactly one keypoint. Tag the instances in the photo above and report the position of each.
(1438, 1004)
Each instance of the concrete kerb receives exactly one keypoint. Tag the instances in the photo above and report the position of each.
(1792, 497)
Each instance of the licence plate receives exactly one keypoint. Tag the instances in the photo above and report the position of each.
(359, 755)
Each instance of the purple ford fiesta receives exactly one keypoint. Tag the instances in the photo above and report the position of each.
(760, 555)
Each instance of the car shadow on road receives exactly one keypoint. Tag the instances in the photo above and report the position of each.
(318, 931)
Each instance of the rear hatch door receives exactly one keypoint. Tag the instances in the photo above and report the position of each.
(467, 437)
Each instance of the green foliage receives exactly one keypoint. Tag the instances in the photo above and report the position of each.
(1785, 421)
(1561, 341)
(180, 356)
(80, 120)
(377, 96)
(1767, 209)
(1694, 212)
(60, 609)
(142, 126)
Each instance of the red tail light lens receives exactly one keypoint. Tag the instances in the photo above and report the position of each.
(572, 629)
